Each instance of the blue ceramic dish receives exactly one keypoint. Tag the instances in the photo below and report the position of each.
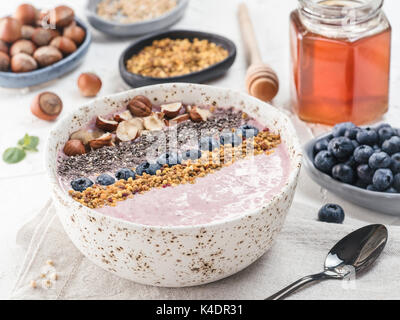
(133, 29)
(42, 75)
(212, 72)
(376, 201)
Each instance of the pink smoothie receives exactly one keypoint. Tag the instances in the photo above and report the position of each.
(242, 187)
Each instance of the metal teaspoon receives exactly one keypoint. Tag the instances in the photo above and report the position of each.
(353, 254)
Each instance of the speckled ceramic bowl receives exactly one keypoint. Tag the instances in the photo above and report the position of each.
(183, 255)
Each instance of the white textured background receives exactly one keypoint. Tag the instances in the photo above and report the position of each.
(23, 187)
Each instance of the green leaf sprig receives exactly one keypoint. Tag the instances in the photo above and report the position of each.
(18, 153)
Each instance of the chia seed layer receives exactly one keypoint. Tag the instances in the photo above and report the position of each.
(130, 154)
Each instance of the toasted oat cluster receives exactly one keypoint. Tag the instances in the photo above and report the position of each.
(130, 11)
(168, 58)
(97, 196)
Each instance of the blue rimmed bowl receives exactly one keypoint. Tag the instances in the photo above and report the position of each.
(26, 79)
(133, 29)
(388, 203)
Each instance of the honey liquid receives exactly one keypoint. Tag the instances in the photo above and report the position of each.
(337, 80)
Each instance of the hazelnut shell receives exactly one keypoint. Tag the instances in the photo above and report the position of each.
(26, 14)
(22, 46)
(27, 32)
(75, 33)
(64, 44)
(74, 148)
(47, 55)
(42, 37)
(23, 62)
(46, 106)
(89, 84)
(10, 29)
(62, 15)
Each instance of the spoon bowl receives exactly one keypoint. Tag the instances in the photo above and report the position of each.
(352, 255)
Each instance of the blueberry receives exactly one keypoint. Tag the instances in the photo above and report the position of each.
(153, 167)
(81, 184)
(208, 143)
(332, 213)
(377, 148)
(363, 153)
(367, 136)
(385, 133)
(321, 145)
(383, 179)
(380, 160)
(247, 131)
(230, 138)
(351, 162)
(395, 166)
(105, 179)
(352, 133)
(141, 168)
(382, 125)
(361, 184)
(396, 182)
(341, 147)
(371, 188)
(193, 154)
(365, 173)
(355, 143)
(391, 190)
(343, 173)
(125, 174)
(340, 129)
(169, 158)
(392, 145)
(324, 161)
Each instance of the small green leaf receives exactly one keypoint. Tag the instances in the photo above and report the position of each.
(13, 155)
(29, 142)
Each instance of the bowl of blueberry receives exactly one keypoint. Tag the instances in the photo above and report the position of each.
(359, 164)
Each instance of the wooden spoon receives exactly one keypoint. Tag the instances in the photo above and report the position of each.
(261, 81)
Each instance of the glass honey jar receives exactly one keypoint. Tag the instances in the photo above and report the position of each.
(340, 54)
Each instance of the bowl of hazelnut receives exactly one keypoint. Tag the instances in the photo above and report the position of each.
(37, 46)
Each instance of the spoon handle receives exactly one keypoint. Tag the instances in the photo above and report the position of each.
(298, 284)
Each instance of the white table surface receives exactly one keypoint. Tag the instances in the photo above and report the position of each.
(23, 187)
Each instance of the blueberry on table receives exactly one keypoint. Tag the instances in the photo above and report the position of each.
(153, 168)
(141, 168)
(125, 174)
(81, 184)
(208, 144)
(367, 136)
(340, 129)
(385, 133)
(193, 154)
(383, 179)
(324, 161)
(341, 147)
(343, 173)
(321, 145)
(365, 173)
(105, 179)
(380, 160)
(230, 138)
(395, 165)
(363, 153)
(392, 145)
(396, 182)
(247, 131)
(169, 158)
(332, 213)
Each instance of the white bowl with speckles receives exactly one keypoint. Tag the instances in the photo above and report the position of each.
(183, 255)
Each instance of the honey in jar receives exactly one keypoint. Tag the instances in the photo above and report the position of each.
(340, 52)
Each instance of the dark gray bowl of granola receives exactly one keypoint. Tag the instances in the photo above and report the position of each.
(128, 19)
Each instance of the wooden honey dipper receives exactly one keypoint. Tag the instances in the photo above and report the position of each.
(261, 81)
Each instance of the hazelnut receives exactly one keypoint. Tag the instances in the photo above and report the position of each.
(75, 33)
(47, 55)
(4, 61)
(23, 62)
(62, 15)
(176, 120)
(106, 125)
(171, 110)
(27, 32)
(10, 29)
(153, 122)
(198, 115)
(74, 148)
(24, 46)
(46, 106)
(64, 44)
(104, 141)
(128, 130)
(140, 106)
(3, 47)
(89, 84)
(42, 37)
(126, 115)
(26, 14)
(86, 135)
